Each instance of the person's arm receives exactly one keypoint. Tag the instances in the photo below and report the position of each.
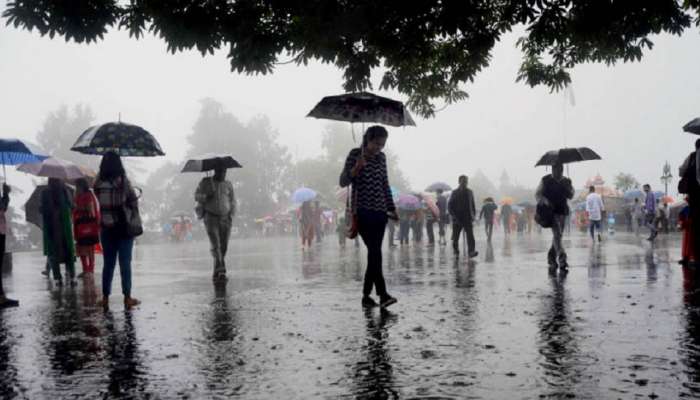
(389, 198)
(347, 176)
(451, 205)
(472, 206)
(131, 198)
(569, 189)
(5, 199)
(539, 194)
(481, 213)
(201, 195)
(232, 200)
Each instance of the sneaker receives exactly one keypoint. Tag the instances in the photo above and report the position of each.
(368, 302)
(6, 303)
(473, 254)
(45, 272)
(130, 302)
(387, 301)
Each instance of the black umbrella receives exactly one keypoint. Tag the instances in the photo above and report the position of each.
(568, 155)
(33, 204)
(210, 162)
(122, 138)
(693, 126)
(363, 107)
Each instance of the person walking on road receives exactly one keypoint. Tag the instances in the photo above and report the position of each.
(114, 195)
(594, 208)
(59, 247)
(365, 168)
(404, 226)
(637, 216)
(216, 198)
(318, 221)
(4, 203)
(429, 223)
(690, 185)
(553, 192)
(443, 218)
(650, 212)
(488, 209)
(306, 220)
(463, 213)
(506, 212)
(86, 226)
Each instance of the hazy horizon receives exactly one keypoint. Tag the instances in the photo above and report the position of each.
(631, 114)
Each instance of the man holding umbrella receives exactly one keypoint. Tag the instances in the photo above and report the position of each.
(463, 212)
(554, 192)
(216, 199)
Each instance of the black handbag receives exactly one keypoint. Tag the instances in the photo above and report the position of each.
(544, 215)
(134, 226)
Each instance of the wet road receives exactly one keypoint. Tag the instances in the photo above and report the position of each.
(623, 323)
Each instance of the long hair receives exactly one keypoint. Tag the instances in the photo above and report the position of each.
(111, 167)
(82, 185)
(373, 132)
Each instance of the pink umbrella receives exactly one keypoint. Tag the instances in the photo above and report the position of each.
(408, 202)
(429, 201)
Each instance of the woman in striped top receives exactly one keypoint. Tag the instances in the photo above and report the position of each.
(365, 169)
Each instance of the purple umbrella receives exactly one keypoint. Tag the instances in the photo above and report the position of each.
(408, 202)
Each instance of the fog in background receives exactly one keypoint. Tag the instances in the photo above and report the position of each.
(631, 114)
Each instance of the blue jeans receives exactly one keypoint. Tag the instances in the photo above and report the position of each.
(113, 247)
(593, 226)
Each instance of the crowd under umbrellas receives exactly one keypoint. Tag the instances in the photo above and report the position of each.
(429, 206)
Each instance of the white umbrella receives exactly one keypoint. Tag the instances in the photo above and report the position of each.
(57, 168)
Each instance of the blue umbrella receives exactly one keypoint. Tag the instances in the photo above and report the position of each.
(303, 194)
(15, 151)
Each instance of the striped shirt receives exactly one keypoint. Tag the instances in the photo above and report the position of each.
(371, 185)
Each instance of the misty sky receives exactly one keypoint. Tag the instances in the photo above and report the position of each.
(631, 114)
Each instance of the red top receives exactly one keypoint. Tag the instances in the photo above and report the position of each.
(86, 207)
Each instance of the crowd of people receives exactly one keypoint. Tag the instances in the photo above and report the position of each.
(105, 218)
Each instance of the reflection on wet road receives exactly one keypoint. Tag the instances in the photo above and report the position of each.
(623, 323)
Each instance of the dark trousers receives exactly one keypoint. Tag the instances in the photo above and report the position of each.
(115, 247)
(457, 230)
(371, 226)
(694, 205)
(488, 226)
(430, 232)
(2, 260)
(404, 227)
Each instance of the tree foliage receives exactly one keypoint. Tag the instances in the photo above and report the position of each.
(624, 182)
(61, 129)
(425, 49)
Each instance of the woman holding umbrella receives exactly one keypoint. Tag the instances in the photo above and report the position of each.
(56, 210)
(373, 203)
(4, 202)
(114, 193)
